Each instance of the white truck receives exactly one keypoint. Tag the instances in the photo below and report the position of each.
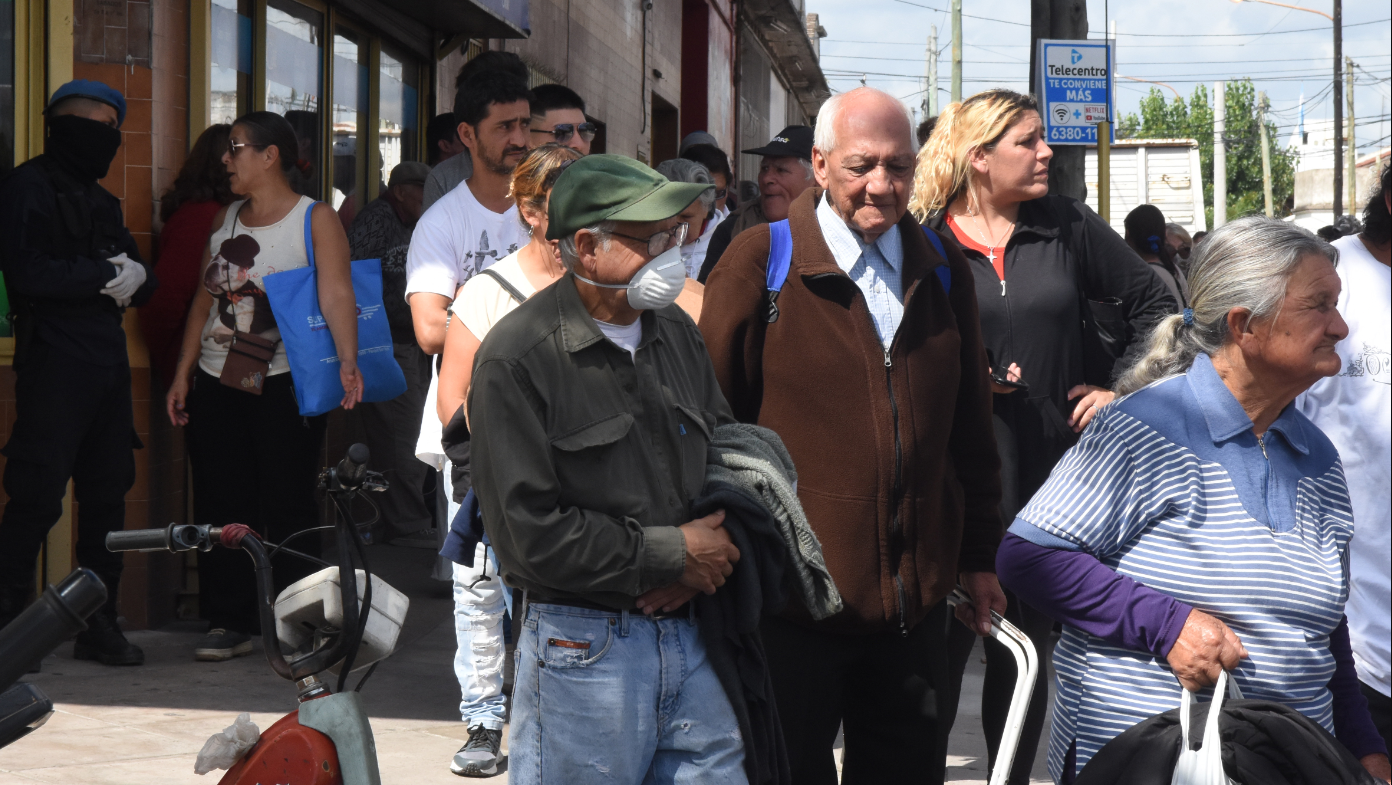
(1162, 172)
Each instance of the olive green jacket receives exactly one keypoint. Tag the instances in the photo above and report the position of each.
(585, 461)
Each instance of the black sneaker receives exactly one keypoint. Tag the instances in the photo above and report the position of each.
(104, 642)
(220, 645)
(480, 754)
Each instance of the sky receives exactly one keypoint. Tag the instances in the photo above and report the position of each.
(1179, 42)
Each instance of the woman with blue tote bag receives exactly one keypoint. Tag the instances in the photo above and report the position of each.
(255, 459)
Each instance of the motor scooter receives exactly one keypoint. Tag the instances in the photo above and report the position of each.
(327, 739)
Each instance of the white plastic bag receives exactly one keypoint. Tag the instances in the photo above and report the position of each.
(1203, 766)
(223, 750)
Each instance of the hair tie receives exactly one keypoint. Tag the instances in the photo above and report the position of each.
(303, 165)
(1188, 317)
(1154, 242)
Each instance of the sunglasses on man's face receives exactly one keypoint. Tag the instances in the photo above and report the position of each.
(563, 131)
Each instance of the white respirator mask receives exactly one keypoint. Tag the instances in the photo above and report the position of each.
(655, 285)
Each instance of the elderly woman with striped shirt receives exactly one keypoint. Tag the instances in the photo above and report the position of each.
(1202, 523)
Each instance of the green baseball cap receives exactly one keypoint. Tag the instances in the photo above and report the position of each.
(614, 188)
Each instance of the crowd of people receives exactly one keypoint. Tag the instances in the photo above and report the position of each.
(730, 455)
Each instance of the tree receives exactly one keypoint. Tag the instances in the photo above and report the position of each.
(1159, 118)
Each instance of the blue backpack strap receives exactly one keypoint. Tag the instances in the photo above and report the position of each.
(309, 233)
(944, 272)
(780, 258)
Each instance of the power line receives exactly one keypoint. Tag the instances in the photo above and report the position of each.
(1153, 35)
(1120, 63)
(968, 16)
(1236, 35)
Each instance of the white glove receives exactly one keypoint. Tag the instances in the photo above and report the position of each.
(130, 275)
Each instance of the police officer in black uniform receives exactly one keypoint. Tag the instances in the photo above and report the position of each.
(71, 269)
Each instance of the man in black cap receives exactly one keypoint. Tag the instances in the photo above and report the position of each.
(784, 173)
(71, 269)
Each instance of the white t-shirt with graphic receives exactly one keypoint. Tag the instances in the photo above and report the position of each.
(241, 256)
(1354, 409)
(455, 239)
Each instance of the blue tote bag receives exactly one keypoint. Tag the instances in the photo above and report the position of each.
(314, 365)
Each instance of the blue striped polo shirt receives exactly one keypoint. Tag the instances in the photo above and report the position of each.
(1169, 486)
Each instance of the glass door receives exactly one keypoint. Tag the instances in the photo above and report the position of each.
(230, 90)
(295, 84)
(398, 123)
(349, 119)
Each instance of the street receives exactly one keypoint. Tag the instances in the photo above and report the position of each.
(145, 725)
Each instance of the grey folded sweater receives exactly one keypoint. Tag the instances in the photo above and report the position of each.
(754, 459)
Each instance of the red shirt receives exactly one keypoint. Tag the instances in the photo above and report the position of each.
(964, 237)
(181, 246)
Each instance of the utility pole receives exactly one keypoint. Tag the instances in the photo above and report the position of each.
(1220, 155)
(1065, 19)
(1352, 141)
(932, 104)
(1104, 150)
(1338, 110)
(1262, 106)
(956, 50)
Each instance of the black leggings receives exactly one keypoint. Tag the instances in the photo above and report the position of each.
(255, 461)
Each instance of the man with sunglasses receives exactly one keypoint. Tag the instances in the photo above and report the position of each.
(558, 115)
(466, 231)
(591, 406)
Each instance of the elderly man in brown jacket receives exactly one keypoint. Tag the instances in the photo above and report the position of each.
(874, 375)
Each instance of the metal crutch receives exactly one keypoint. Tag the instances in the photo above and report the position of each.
(1026, 670)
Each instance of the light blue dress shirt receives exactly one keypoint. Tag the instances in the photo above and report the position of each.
(876, 268)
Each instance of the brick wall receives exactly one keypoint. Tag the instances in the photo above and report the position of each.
(141, 49)
(597, 52)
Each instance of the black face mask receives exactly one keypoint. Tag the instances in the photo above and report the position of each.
(85, 147)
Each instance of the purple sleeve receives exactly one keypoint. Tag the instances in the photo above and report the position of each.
(1080, 591)
(1353, 724)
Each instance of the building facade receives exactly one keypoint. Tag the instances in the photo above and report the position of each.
(359, 81)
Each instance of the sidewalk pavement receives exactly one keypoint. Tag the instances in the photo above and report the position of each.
(145, 725)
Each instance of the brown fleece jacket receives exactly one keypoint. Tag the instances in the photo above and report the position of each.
(899, 510)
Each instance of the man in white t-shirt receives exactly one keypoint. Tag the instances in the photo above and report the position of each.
(451, 171)
(467, 230)
(1354, 409)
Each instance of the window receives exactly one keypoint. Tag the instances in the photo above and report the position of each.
(353, 99)
(231, 52)
(294, 83)
(398, 136)
(349, 122)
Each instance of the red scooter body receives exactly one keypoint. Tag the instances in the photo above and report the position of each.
(288, 752)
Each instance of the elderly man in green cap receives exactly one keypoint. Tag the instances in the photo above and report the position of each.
(591, 407)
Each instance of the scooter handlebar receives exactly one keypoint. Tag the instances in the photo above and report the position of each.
(352, 470)
(139, 540)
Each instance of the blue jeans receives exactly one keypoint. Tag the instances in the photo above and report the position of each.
(478, 630)
(607, 697)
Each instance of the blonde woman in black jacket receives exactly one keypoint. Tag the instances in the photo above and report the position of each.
(1061, 297)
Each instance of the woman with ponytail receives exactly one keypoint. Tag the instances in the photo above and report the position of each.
(1202, 523)
(1145, 233)
(255, 460)
(1047, 270)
